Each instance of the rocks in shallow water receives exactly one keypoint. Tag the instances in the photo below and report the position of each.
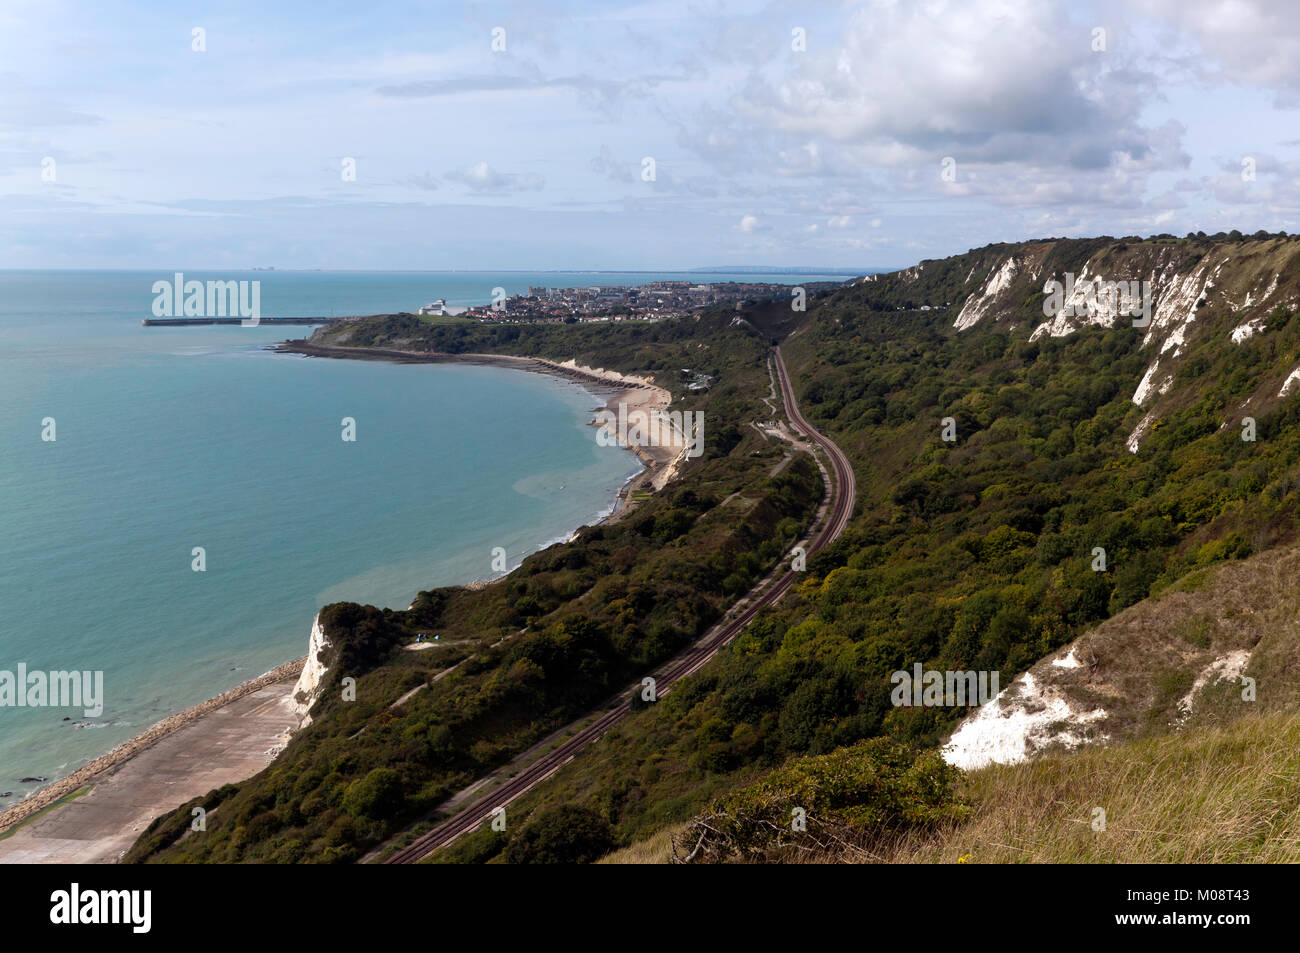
(30, 780)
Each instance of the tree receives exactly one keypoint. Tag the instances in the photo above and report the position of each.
(378, 795)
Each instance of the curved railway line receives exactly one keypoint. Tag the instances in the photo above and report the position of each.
(842, 494)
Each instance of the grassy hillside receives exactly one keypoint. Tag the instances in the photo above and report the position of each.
(978, 554)
(1221, 643)
(1214, 795)
(1215, 782)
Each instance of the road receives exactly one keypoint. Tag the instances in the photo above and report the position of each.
(843, 493)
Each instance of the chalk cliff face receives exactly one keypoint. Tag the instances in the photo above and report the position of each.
(980, 304)
(312, 679)
(1190, 298)
(573, 365)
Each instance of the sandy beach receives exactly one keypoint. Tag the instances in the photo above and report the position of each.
(632, 395)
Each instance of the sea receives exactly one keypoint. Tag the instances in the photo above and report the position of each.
(169, 443)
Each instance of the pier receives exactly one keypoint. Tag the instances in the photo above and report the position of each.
(193, 322)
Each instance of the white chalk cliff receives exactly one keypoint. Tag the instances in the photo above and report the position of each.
(312, 679)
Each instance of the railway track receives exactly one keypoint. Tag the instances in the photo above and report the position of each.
(842, 496)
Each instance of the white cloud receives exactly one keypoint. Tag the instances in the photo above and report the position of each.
(1011, 88)
(481, 177)
(1255, 42)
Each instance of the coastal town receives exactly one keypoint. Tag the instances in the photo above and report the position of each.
(653, 301)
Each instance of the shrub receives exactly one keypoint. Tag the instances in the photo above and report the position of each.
(862, 792)
(377, 795)
(568, 834)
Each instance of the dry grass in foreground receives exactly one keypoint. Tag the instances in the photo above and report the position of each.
(656, 849)
(1228, 794)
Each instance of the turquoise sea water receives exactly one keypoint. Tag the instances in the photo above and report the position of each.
(174, 438)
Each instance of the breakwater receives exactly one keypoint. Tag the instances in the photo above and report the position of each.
(194, 322)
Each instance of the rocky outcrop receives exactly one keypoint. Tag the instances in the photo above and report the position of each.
(978, 306)
(1022, 720)
(312, 679)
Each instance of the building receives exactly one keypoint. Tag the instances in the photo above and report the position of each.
(440, 308)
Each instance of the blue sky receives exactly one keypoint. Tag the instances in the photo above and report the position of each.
(121, 146)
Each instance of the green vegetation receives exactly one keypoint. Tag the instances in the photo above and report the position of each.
(859, 794)
(973, 555)
(707, 343)
(567, 834)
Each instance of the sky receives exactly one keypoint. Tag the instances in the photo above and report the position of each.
(647, 136)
